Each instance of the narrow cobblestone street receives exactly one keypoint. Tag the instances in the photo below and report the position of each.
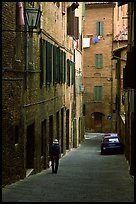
(84, 175)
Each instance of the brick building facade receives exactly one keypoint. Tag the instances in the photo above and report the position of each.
(124, 52)
(97, 67)
(38, 83)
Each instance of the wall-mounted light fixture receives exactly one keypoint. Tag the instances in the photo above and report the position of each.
(118, 58)
(75, 6)
(32, 18)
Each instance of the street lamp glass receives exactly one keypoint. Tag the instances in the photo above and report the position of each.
(32, 17)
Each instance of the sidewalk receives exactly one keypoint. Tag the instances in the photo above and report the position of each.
(83, 176)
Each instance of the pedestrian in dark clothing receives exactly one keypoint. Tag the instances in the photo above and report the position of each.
(55, 155)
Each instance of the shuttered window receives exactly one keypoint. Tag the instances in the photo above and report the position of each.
(80, 42)
(72, 72)
(43, 62)
(70, 21)
(83, 9)
(99, 28)
(98, 93)
(98, 60)
(58, 66)
(61, 66)
(48, 63)
(68, 72)
(64, 80)
(76, 28)
(54, 64)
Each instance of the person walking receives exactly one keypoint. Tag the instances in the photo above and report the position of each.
(55, 155)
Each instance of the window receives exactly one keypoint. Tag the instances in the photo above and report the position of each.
(68, 72)
(80, 42)
(61, 66)
(70, 21)
(99, 28)
(43, 61)
(72, 72)
(49, 63)
(76, 28)
(53, 64)
(58, 66)
(98, 93)
(98, 60)
(64, 77)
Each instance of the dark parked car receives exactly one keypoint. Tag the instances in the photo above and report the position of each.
(111, 144)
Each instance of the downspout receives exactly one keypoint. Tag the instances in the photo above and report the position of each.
(112, 70)
(26, 51)
(75, 129)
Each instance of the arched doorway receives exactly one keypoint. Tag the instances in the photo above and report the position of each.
(97, 121)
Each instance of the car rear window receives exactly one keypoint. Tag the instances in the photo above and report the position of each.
(111, 140)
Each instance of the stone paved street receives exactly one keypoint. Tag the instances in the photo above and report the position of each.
(84, 175)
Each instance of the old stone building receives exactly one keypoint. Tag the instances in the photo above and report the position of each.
(120, 45)
(115, 44)
(39, 84)
(124, 57)
(97, 67)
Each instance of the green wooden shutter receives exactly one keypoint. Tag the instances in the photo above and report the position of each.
(54, 63)
(98, 60)
(58, 66)
(48, 63)
(68, 72)
(101, 28)
(80, 42)
(97, 28)
(76, 28)
(98, 93)
(43, 62)
(64, 67)
(83, 9)
(61, 66)
(72, 72)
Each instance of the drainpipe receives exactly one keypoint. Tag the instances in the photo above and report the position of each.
(74, 122)
(111, 72)
(26, 52)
